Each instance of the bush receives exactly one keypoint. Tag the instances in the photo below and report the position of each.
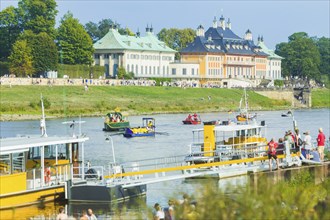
(278, 83)
(83, 71)
(47, 103)
(4, 68)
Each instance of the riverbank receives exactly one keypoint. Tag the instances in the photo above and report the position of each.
(22, 102)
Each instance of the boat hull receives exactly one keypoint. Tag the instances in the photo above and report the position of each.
(26, 198)
(186, 122)
(116, 126)
(100, 193)
(138, 132)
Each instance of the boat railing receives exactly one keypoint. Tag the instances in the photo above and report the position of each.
(49, 176)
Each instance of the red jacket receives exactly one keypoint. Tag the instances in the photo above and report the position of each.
(320, 139)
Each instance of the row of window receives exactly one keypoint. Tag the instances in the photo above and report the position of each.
(239, 71)
(144, 70)
(106, 56)
(148, 57)
(184, 71)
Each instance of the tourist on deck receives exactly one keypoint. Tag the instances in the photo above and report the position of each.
(91, 216)
(307, 144)
(297, 140)
(84, 215)
(288, 137)
(61, 215)
(169, 211)
(158, 213)
(272, 145)
(320, 143)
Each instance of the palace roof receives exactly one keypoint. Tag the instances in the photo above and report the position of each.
(271, 53)
(219, 40)
(113, 40)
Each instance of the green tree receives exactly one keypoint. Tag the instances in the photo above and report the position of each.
(176, 39)
(75, 44)
(39, 16)
(9, 30)
(21, 59)
(44, 51)
(99, 30)
(323, 45)
(301, 57)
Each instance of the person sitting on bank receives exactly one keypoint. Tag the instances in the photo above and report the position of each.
(272, 145)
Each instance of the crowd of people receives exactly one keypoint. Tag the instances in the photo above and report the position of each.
(186, 205)
(297, 144)
(85, 215)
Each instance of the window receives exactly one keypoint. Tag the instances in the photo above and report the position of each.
(106, 56)
(184, 71)
(127, 68)
(146, 68)
(136, 69)
(97, 56)
(192, 71)
(173, 71)
(141, 69)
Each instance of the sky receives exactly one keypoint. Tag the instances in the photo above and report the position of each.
(274, 20)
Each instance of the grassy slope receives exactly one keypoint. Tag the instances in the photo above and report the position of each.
(73, 101)
(321, 98)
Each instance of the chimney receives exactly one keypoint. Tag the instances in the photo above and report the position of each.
(222, 22)
(229, 24)
(248, 35)
(214, 22)
(200, 31)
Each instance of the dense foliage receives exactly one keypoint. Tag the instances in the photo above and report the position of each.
(176, 39)
(98, 30)
(80, 71)
(21, 59)
(305, 57)
(75, 45)
(298, 198)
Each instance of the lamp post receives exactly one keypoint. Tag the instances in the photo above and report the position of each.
(108, 139)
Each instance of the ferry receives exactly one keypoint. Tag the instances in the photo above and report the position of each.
(35, 169)
(227, 141)
(147, 129)
(115, 121)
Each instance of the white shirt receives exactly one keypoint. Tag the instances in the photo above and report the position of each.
(308, 142)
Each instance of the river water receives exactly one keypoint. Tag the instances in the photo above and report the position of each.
(173, 140)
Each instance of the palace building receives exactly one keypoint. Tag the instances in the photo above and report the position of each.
(144, 56)
(222, 54)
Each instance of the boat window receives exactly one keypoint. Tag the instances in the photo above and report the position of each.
(5, 164)
(34, 153)
(18, 162)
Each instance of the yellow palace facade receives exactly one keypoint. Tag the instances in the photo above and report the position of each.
(221, 54)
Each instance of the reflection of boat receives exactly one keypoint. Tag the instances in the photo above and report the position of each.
(192, 120)
(115, 121)
(243, 111)
(147, 129)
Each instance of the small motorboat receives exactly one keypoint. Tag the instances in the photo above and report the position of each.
(244, 117)
(192, 120)
(115, 121)
(288, 114)
(147, 129)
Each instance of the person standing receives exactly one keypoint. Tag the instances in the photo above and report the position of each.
(91, 216)
(61, 215)
(272, 145)
(320, 143)
(307, 144)
(159, 213)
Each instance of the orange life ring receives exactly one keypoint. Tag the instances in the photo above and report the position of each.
(47, 175)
